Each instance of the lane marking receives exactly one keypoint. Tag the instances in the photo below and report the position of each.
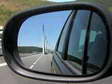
(35, 62)
(3, 64)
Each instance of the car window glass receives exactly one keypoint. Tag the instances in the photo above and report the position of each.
(77, 37)
(63, 36)
(97, 44)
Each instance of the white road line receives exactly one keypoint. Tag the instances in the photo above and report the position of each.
(3, 64)
(35, 62)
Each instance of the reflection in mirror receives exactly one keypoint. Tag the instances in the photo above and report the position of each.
(37, 39)
(55, 43)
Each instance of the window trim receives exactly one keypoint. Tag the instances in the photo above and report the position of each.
(58, 41)
(85, 37)
(85, 57)
(66, 37)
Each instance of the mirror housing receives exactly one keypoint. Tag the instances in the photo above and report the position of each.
(10, 34)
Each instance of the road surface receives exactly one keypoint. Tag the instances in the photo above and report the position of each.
(38, 62)
(9, 77)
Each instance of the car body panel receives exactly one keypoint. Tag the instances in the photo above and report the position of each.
(60, 64)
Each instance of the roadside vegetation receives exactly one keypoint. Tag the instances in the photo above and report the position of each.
(9, 7)
(29, 49)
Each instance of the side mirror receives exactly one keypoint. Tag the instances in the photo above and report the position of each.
(68, 42)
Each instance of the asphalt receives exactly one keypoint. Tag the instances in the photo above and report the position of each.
(9, 77)
(38, 62)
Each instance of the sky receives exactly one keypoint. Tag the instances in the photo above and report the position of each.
(31, 31)
(61, 0)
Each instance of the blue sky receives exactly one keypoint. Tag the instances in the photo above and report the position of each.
(31, 33)
(61, 0)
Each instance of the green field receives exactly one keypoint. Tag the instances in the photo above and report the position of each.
(10, 7)
(29, 49)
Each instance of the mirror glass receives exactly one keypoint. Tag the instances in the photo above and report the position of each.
(55, 42)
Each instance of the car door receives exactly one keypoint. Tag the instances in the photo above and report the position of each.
(76, 43)
(77, 51)
(87, 44)
(59, 63)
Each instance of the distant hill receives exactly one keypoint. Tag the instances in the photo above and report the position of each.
(10, 7)
(29, 49)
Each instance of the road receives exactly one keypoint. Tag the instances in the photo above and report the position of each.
(9, 77)
(38, 62)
